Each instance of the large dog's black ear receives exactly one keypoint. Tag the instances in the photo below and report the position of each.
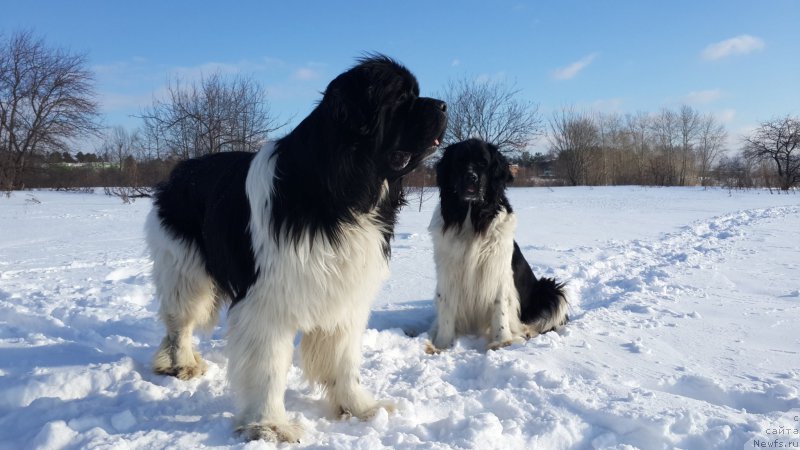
(502, 169)
(349, 100)
(344, 108)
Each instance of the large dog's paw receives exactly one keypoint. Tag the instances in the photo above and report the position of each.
(163, 365)
(271, 431)
(192, 371)
(369, 412)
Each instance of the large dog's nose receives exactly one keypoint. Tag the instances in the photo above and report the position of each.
(433, 103)
(471, 177)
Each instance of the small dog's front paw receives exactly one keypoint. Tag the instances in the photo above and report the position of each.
(504, 343)
(528, 332)
(271, 431)
(431, 349)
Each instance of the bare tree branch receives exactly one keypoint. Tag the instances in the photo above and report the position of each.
(574, 141)
(46, 98)
(214, 115)
(777, 140)
(491, 111)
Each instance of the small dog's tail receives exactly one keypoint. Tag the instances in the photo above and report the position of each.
(547, 306)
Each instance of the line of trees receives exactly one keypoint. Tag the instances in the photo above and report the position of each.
(48, 103)
(670, 148)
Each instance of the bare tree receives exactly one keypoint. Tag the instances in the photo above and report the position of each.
(638, 127)
(120, 144)
(777, 140)
(734, 172)
(47, 98)
(615, 153)
(710, 142)
(213, 115)
(492, 111)
(574, 140)
(663, 162)
(689, 127)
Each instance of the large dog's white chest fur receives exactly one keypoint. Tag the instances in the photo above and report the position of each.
(475, 279)
(312, 283)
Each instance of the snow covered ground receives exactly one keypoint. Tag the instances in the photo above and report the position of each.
(685, 304)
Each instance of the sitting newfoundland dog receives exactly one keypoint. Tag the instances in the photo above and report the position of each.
(296, 237)
(484, 285)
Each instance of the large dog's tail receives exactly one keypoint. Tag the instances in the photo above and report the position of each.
(546, 309)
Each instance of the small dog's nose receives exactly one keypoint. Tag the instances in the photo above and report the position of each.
(472, 176)
(443, 106)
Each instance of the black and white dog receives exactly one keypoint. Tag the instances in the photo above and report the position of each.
(483, 283)
(296, 236)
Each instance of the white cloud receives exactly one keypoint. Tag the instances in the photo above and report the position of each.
(456, 62)
(203, 70)
(570, 71)
(305, 74)
(726, 115)
(114, 101)
(491, 77)
(739, 45)
(702, 97)
(607, 104)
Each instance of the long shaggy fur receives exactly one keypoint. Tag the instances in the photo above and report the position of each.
(296, 237)
(484, 284)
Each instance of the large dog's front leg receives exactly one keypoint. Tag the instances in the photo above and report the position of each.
(333, 359)
(260, 355)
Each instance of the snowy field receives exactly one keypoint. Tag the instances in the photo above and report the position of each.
(685, 305)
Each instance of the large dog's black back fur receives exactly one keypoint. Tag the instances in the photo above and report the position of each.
(205, 197)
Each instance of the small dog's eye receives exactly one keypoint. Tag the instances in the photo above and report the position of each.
(402, 98)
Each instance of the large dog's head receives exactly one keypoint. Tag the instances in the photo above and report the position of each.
(472, 171)
(377, 105)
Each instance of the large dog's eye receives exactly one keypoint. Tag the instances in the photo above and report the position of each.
(402, 98)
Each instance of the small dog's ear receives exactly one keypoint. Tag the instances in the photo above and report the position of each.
(509, 174)
(441, 173)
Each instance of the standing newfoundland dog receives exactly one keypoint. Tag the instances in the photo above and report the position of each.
(484, 284)
(296, 236)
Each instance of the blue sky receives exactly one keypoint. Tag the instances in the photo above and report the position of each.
(736, 59)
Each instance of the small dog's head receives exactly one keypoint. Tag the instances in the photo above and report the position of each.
(473, 171)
